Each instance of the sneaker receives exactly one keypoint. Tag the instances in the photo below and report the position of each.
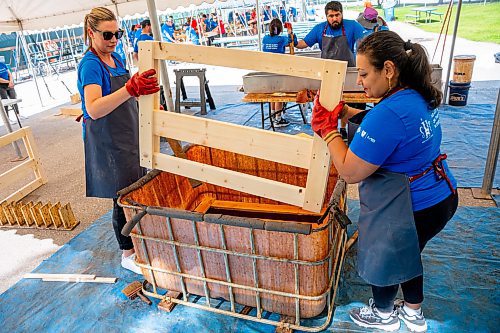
(129, 263)
(415, 323)
(369, 317)
(281, 123)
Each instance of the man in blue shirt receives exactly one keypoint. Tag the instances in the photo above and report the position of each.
(167, 31)
(335, 33)
(145, 35)
(7, 85)
(336, 39)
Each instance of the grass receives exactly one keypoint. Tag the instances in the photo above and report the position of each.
(478, 22)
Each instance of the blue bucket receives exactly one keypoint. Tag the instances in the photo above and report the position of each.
(458, 93)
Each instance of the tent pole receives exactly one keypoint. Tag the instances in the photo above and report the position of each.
(24, 46)
(155, 24)
(259, 26)
(455, 29)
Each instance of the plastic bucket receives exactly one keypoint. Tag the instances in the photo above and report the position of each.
(458, 93)
(462, 69)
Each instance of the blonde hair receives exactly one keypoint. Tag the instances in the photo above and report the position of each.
(92, 20)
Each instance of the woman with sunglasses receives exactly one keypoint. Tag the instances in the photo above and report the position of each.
(111, 119)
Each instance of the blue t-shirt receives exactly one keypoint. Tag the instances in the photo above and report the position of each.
(192, 35)
(119, 49)
(353, 32)
(402, 135)
(283, 15)
(293, 11)
(92, 71)
(277, 44)
(137, 33)
(4, 71)
(167, 32)
(141, 38)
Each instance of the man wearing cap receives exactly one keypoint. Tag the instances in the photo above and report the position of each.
(167, 31)
(371, 22)
(145, 35)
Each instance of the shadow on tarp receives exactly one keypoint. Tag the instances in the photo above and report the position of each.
(461, 291)
(466, 138)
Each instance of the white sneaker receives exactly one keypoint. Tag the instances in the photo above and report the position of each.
(414, 322)
(370, 317)
(129, 263)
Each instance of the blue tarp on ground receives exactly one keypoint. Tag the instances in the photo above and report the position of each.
(461, 267)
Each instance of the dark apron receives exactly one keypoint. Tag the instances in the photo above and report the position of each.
(388, 250)
(337, 48)
(112, 147)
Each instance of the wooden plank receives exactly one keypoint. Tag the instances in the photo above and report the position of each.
(11, 217)
(36, 215)
(57, 276)
(71, 110)
(31, 148)
(3, 218)
(253, 60)
(317, 178)
(266, 188)
(67, 217)
(45, 213)
(278, 147)
(14, 136)
(77, 280)
(17, 173)
(147, 104)
(204, 205)
(256, 207)
(25, 210)
(18, 215)
(54, 215)
(25, 190)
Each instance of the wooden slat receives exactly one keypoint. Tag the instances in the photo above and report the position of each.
(11, 218)
(3, 218)
(25, 210)
(266, 188)
(320, 160)
(14, 136)
(45, 213)
(256, 207)
(147, 104)
(25, 190)
(54, 215)
(68, 218)
(36, 215)
(279, 147)
(31, 148)
(16, 173)
(253, 60)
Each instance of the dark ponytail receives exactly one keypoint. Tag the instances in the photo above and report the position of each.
(275, 27)
(409, 58)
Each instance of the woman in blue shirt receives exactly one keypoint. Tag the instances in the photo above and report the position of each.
(110, 119)
(407, 192)
(274, 42)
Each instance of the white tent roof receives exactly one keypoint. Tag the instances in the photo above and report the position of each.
(43, 14)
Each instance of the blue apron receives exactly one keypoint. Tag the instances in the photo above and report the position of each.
(112, 147)
(388, 250)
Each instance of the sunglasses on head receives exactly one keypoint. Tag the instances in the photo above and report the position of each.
(108, 35)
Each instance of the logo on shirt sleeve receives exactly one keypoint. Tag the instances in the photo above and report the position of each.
(364, 134)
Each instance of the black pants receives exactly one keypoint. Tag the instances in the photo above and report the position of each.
(119, 222)
(429, 223)
(6, 93)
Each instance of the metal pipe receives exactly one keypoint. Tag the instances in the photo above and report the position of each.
(491, 160)
(455, 29)
(6, 122)
(259, 26)
(155, 24)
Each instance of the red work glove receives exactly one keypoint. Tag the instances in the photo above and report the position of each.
(142, 84)
(324, 121)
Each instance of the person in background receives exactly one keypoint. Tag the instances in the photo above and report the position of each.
(283, 14)
(371, 22)
(292, 14)
(121, 52)
(145, 35)
(138, 32)
(253, 21)
(396, 151)
(336, 38)
(274, 42)
(131, 35)
(7, 90)
(191, 33)
(110, 119)
(311, 12)
(167, 31)
(171, 18)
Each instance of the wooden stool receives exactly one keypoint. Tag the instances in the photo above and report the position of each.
(188, 102)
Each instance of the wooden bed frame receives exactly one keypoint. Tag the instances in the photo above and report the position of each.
(308, 153)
